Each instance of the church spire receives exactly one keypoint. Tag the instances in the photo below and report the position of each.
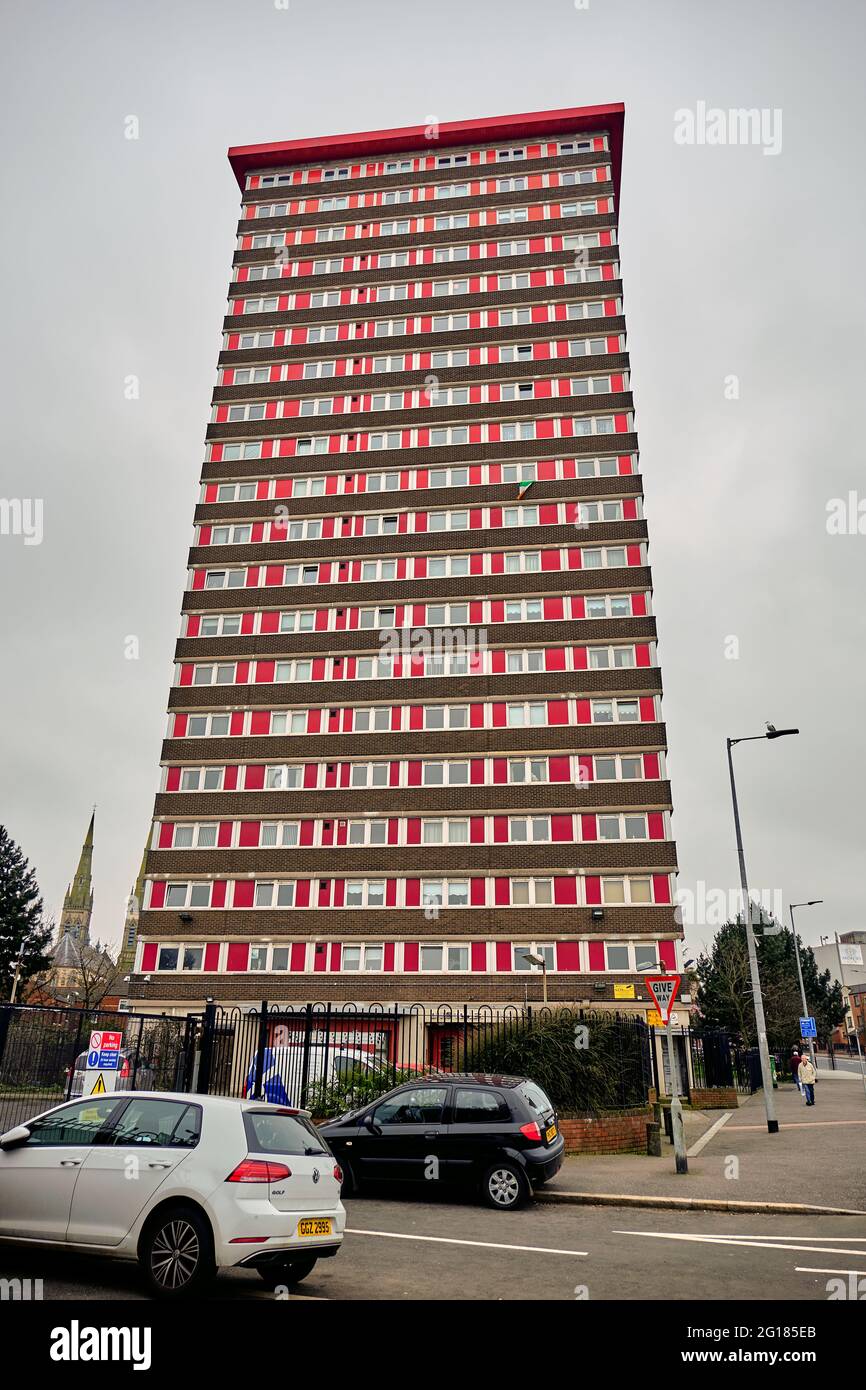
(78, 902)
(133, 912)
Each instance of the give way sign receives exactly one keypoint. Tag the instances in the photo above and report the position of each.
(664, 989)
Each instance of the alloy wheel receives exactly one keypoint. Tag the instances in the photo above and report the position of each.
(175, 1254)
(503, 1187)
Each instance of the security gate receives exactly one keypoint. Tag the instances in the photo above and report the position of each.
(43, 1051)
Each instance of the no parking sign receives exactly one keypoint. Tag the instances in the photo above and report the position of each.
(103, 1061)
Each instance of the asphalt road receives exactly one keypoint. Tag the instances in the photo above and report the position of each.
(397, 1250)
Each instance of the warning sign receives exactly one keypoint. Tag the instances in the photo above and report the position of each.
(663, 989)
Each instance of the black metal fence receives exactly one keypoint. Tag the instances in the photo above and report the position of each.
(43, 1052)
(717, 1060)
(330, 1058)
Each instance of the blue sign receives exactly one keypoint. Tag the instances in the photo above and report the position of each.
(93, 1059)
(108, 1061)
(808, 1028)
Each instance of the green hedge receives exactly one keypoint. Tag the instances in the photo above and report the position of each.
(611, 1072)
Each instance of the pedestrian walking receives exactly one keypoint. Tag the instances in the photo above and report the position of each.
(806, 1076)
(795, 1068)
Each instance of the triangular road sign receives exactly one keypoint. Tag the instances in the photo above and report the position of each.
(99, 1088)
(664, 989)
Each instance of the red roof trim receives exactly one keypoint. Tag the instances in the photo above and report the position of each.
(245, 159)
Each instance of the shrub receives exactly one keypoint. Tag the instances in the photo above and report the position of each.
(611, 1072)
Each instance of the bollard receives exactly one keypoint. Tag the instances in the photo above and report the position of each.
(653, 1140)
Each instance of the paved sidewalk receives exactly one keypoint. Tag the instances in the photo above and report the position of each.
(818, 1158)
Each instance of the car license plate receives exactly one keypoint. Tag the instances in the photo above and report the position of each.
(320, 1226)
(550, 1133)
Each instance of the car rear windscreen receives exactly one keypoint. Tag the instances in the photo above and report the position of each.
(273, 1132)
(535, 1098)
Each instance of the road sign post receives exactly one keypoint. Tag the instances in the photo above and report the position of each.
(664, 989)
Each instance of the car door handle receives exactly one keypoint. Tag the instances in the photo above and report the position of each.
(70, 1162)
(159, 1165)
(432, 1133)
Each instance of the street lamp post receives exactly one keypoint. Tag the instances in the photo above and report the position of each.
(760, 1023)
(813, 902)
(536, 958)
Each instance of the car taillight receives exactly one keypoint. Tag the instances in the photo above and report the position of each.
(257, 1170)
(531, 1131)
(338, 1172)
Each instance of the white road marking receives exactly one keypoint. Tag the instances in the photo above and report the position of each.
(448, 1240)
(728, 1240)
(801, 1124)
(781, 1236)
(705, 1138)
(808, 1269)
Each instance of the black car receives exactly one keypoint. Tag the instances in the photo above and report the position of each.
(497, 1135)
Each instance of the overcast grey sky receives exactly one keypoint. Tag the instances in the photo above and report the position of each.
(116, 262)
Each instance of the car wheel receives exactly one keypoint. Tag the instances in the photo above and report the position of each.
(350, 1182)
(504, 1187)
(176, 1253)
(289, 1274)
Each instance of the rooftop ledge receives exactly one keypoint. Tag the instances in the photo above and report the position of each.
(246, 159)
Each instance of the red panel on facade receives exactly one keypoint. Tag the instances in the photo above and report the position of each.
(568, 955)
(237, 956)
(596, 955)
(410, 956)
(668, 954)
(212, 956)
(148, 955)
(298, 958)
(662, 888)
(565, 891)
(248, 834)
(243, 895)
(503, 955)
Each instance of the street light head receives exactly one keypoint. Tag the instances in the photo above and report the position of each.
(773, 732)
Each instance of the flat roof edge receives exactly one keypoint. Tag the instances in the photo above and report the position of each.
(246, 159)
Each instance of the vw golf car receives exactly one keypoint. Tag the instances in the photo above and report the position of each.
(496, 1135)
(221, 1183)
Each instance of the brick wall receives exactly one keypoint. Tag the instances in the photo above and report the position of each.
(619, 1132)
(714, 1098)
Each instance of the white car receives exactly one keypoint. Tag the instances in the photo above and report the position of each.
(185, 1184)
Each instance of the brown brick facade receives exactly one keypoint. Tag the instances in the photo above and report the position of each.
(573, 933)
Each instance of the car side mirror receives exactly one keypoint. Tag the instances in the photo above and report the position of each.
(369, 1123)
(13, 1138)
